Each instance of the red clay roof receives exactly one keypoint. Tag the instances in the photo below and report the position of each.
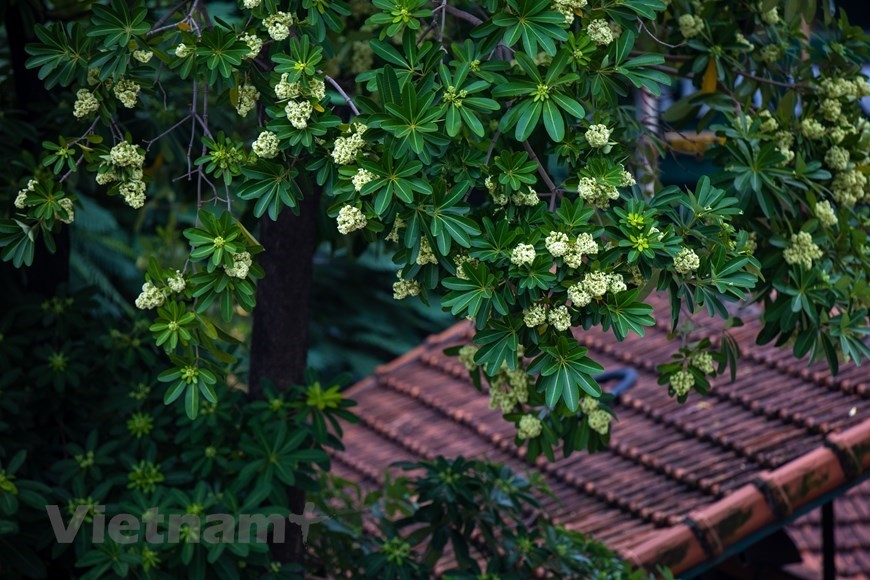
(678, 484)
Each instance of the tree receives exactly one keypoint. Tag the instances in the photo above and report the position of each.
(490, 145)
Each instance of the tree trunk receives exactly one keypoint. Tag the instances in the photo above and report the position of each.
(280, 337)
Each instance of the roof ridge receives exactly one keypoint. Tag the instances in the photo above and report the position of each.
(710, 531)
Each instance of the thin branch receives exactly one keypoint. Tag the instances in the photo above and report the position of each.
(463, 15)
(492, 146)
(158, 26)
(675, 72)
(554, 191)
(340, 90)
(194, 116)
(655, 38)
(73, 170)
(151, 142)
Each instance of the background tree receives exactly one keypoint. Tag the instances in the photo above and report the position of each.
(490, 145)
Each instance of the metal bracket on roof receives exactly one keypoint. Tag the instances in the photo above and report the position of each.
(627, 379)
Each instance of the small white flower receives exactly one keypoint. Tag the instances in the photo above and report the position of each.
(557, 244)
(535, 315)
(598, 135)
(266, 145)
(361, 178)
(278, 25)
(67, 204)
(600, 32)
(560, 318)
(127, 92)
(687, 261)
(86, 103)
(143, 56)
(241, 265)
(176, 283)
(523, 254)
(248, 96)
(298, 113)
(350, 219)
(150, 297)
(183, 50)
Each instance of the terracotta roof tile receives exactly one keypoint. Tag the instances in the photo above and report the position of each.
(678, 484)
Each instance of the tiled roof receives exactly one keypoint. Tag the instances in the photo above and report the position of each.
(678, 484)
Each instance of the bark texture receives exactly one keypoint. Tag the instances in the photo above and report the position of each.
(280, 337)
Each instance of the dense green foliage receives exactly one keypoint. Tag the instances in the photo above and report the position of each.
(491, 149)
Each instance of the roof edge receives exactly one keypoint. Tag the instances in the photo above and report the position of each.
(705, 534)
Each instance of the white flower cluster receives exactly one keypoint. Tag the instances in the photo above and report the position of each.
(425, 255)
(86, 103)
(241, 265)
(466, 356)
(350, 219)
(266, 145)
(126, 157)
(831, 109)
(802, 250)
(599, 421)
(703, 361)
(461, 259)
(508, 389)
(529, 427)
(133, 193)
(600, 32)
(690, 25)
(837, 158)
(125, 154)
(248, 97)
(393, 236)
(597, 194)
(251, 4)
(584, 245)
(21, 198)
(560, 318)
(278, 25)
(285, 89)
(184, 50)
(523, 254)
(255, 44)
(593, 286)
(127, 92)
(404, 288)
(771, 16)
(770, 53)
(529, 198)
(150, 297)
(557, 244)
(535, 315)
(768, 123)
(362, 177)
(687, 261)
(784, 141)
(848, 187)
(298, 113)
(176, 283)
(346, 148)
(567, 8)
(682, 382)
(812, 129)
(598, 135)
(362, 57)
(143, 56)
(67, 205)
(826, 214)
